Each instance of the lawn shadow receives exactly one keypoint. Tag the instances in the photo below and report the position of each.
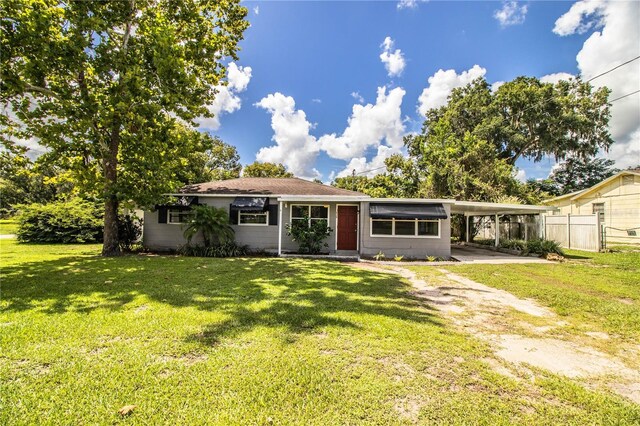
(300, 295)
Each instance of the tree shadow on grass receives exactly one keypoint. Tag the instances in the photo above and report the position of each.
(300, 295)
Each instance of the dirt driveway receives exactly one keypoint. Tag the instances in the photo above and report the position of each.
(482, 311)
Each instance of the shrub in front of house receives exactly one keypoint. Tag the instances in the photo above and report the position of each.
(72, 221)
(310, 235)
(129, 231)
(227, 249)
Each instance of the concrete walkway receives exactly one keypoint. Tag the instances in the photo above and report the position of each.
(466, 254)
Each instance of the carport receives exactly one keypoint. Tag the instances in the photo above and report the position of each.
(472, 209)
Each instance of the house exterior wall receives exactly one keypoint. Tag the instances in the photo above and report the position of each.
(169, 236)
(411, 247)
(621, 199)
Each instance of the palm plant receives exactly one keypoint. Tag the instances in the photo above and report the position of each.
(212, 222)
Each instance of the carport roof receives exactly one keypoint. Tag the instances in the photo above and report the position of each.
(477, 208)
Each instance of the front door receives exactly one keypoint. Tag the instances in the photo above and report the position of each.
(347, 227)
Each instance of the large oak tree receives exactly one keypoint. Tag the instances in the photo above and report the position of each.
(106, 85)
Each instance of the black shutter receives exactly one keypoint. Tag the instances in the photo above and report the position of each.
(273, 214)
(233, 215)
(162, 215)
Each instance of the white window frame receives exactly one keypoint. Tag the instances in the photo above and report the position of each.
(393, 228)
(265, 214)
(308, 206)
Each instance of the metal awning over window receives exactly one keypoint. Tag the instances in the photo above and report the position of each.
(407, 211)
(250, 204)
(179, 203)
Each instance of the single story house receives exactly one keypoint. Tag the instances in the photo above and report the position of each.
(616, 200)
(260, 208)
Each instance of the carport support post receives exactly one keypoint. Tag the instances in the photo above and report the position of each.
(279, 228)
(497, 231)
(467, 233)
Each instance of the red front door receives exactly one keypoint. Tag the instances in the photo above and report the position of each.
(347, 227)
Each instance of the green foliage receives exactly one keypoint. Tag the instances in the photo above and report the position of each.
(398, 258)
(535, 246)
(379, 256)
(513, 244)
(23, 181)
(129, 231)
(468, 148)
(432, 258)
(575, 174)
(105, 86)
(73, 221)
(212, 223)
(543, 247)
(226, 249)
(266, 170)
(310, 237)
(220, 161)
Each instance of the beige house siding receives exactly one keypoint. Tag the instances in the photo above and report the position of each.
(621, 200)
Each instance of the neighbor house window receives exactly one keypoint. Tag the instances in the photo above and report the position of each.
(598, 208)
(405, 228)
(309, 213)
(253, 218)
(178, 216)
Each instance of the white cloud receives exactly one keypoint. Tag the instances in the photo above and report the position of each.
(409, 4)
(615, 43)
(369, 168)
(227, 99)
(521, 175)
(441, 84)
(572, 21)
(316, 101)
(511, 13)
(256, 10)
(368, 126)
(556, 77)
(393, 60)
(357, 97)
(496, 85)
(295, 147)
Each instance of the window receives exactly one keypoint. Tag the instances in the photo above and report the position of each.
(178, 216)
(599, 209)
(310, 213)
(405, 228)
(253, 218)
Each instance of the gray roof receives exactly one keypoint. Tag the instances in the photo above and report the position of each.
(267, 186)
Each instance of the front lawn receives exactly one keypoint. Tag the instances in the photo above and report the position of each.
(248, 341)
(8, 226)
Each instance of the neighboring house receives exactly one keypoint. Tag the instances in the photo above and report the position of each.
(616, 200)
(260, 208)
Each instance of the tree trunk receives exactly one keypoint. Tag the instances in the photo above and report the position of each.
(111, 243)
(111, 246)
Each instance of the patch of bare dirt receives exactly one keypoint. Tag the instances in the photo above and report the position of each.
(408, 408)
(483, 311)
(187, 359)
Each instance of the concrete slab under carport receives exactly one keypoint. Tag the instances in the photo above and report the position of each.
(466, 254)
(478, 208)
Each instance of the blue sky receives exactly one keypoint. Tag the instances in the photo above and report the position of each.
(306, 64)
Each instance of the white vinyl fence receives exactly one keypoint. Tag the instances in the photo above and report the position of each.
(580, 232)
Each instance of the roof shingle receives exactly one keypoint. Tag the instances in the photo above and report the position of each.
(267, 186)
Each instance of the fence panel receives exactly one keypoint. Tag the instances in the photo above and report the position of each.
(581, 232)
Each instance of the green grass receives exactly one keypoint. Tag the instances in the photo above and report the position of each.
(8, 226)
(248, 341)
(594, 291)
